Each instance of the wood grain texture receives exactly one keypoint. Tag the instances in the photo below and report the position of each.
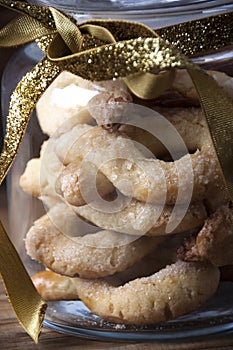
(12, 336)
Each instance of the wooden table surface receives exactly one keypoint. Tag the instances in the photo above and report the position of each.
(12, 335)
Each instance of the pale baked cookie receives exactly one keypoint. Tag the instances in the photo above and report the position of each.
(183, 92)
(77, 142)
(54, 241)
(40, 175)
(70, 94)
(52, 286)
(191, 126)
(69, 183)
(214, 242)
(174, 291)
(145, 179)
(30, 179)
(138, 218)
(184, 85)
(63, 100)
(189, 123)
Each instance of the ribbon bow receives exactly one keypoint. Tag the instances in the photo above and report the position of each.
(101, 50)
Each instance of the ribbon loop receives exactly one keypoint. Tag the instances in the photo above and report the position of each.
(124, 30)
(68, 30)
(22, 30)
(98, 32)
(42, 14)
(148, 85)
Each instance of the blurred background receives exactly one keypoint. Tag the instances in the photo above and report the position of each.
(5, 54)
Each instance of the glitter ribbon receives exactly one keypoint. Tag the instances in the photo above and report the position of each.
(101, 50)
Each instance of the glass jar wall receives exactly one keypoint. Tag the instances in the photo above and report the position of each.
(85, 172)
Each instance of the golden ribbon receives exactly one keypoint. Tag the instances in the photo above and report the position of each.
(101, 50)
(26, 302)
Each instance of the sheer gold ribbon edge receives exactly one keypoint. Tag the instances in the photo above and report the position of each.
(30, 308)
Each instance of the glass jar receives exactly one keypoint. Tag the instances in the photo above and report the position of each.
(36, 192)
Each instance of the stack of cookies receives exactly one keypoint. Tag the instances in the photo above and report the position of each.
(138, 220)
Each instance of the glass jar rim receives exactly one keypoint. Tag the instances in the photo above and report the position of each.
(160, 6)
(155, 14)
